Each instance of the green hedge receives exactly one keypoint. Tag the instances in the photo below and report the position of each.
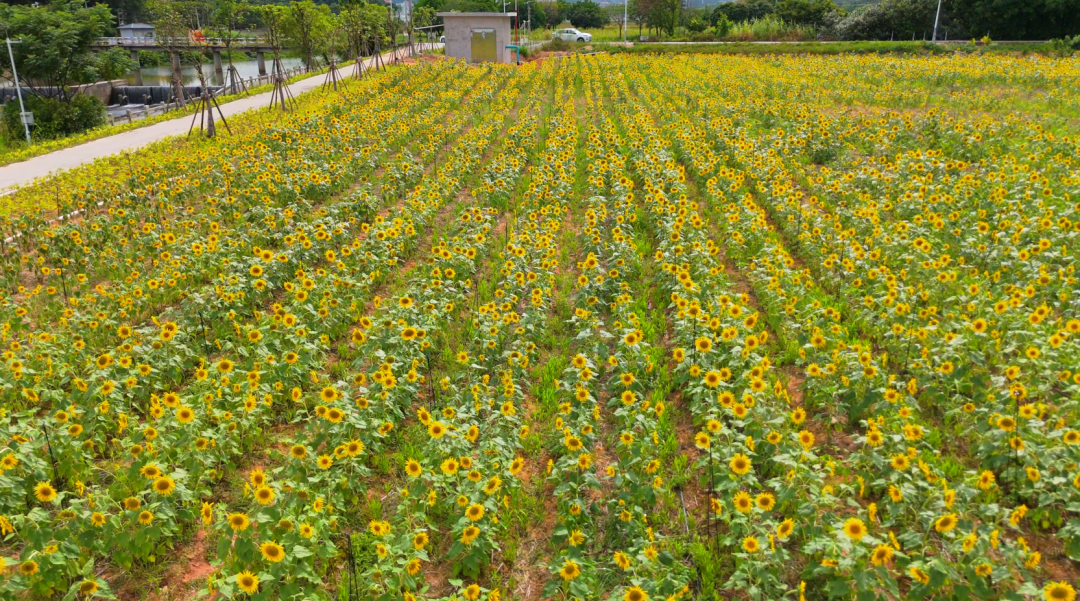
(53, 118)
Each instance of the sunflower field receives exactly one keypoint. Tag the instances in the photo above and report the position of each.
(597, 327)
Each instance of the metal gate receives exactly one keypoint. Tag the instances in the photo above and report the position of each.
(483, 46)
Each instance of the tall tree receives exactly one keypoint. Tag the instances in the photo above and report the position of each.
(805, 12)
(890, 19)
(586, 14)
(639, 12)
(1018, 19)
(615, 15)
(363, 24)
(307, 24)
(553, 13)
(55, 50)
(172, 29)
(226, 20)
(745, 10)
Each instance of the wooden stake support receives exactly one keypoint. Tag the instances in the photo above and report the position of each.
(282, 94)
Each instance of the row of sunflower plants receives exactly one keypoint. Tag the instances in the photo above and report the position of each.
(176, 456)
(489, 403)
(642, 563)
(71, 256)
(572, 435)
(318, 476)
(971, 290)
(464, 467)
(747, 439)
(203, 271)
(911, 483)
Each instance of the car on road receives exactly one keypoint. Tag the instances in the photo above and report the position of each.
(571, 35)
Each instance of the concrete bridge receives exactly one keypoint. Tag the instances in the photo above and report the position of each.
(216, 46)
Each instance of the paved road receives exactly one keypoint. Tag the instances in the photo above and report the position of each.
(25, 172)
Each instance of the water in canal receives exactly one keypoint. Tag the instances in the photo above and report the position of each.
(162, 76)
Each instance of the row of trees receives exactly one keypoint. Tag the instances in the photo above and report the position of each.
(55, 53)
(311, 28)
(881, 20)
(901, 19)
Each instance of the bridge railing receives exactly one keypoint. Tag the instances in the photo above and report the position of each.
(149, 41)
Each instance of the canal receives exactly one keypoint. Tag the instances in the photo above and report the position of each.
(162, 75)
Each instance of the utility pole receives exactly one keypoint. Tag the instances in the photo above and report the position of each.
(23, 115)
(625, 11)
(937, 18)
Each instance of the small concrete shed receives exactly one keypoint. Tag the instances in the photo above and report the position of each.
(478, 37)
(136, 31)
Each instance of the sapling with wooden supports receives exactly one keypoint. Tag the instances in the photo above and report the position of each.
(207, 103)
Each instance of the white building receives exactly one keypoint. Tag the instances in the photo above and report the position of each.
(478, 37)
(136, 31)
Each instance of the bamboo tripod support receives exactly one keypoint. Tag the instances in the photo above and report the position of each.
(205, 115)
(333, 76)
(235, 83)
(282, 94)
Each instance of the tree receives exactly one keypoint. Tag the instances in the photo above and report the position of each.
(615, 15)
(1018, 19)
(696, 25)
(334, 39)
(890, 19)
(467, 6)
(805, 12)
(422, 16)
(226, 20)
(721, 23)
(435, 5)
(128, 11)
(308, 26)
(587, 14)
(362, 24)
(273, 18)
(172, 27)
(638, 12)
(538, 15)
(671, 10)
(55, 50)
(745, 10)
(552, 12)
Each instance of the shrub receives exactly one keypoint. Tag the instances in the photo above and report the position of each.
(1066, 46)
(722, 24)
(53, 118)
(587, 15)
(894, 19)
(556, 45)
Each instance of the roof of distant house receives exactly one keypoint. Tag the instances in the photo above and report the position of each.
(135, 26)
(456, 14)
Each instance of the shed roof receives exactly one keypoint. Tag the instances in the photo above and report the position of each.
(135, 26)
(445, 15)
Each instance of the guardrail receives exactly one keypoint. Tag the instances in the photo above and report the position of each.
(115, 41)
(130, 114)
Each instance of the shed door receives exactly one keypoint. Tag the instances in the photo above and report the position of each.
(483, 46)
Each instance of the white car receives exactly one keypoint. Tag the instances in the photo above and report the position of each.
(571, 35)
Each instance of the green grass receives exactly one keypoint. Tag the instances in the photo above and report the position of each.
(829, 48)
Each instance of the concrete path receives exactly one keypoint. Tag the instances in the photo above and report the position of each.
(25, 172)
